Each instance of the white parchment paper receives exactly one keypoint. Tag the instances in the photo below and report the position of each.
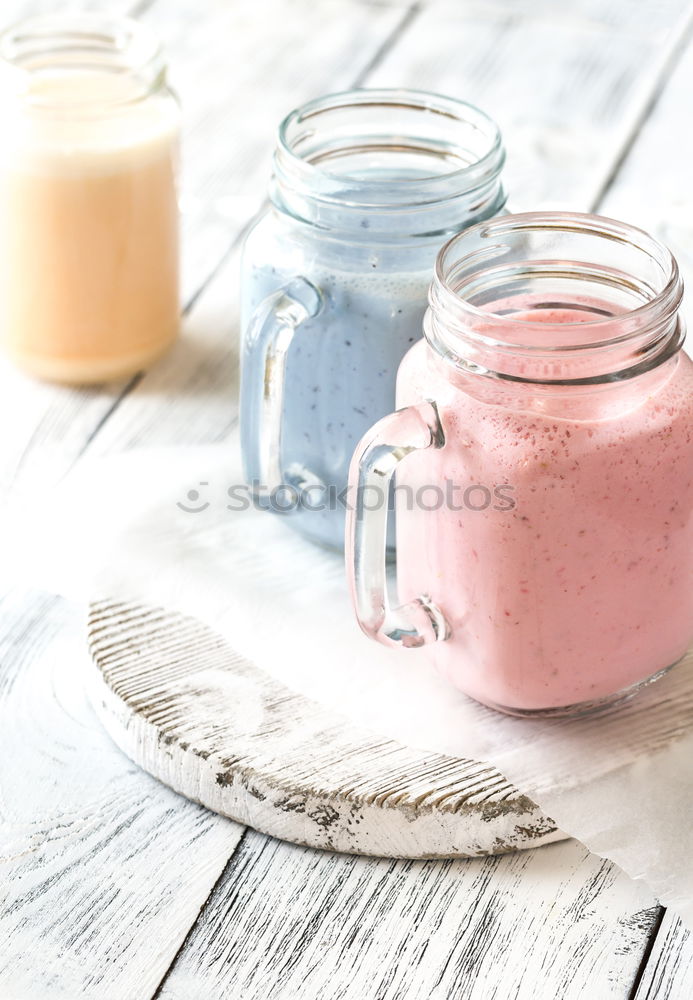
(621, 782)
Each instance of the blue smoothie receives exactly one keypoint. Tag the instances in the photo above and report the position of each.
(341, 366)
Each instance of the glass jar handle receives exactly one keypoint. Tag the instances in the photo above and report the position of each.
(270, 333)
(390, 441)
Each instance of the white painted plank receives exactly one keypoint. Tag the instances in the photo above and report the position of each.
(102, 869)
(239, 69)
(668, 974)
(187, 707)
(14, 10)
(620, 15)
(288, 922)
(653, 187)
(567, 83)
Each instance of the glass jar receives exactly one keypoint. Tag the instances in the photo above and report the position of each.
(366, 187)
(544, 457)
(88, 209)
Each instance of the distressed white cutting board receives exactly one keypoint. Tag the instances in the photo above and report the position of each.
(204, 720)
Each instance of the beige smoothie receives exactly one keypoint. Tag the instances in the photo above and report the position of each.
(88, 225)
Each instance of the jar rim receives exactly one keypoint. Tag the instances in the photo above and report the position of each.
(665, 302)
(403, 98)
(137, 46)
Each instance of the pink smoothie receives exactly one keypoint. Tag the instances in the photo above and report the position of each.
(585, 587)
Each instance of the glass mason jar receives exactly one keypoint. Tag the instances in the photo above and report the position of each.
(544, 457)
(88, 208)
(366, 187)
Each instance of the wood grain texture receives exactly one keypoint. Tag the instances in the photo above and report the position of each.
(14, 10)
(567, 83)
(102, 869)
(239, 70)
(653, 188)
(198, 716)
(287, 922)
(668, 974)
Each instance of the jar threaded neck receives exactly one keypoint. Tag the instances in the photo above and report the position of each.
(555, 298)
(80, 44)
(388, 164)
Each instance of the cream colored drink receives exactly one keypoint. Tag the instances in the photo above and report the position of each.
(88, 222)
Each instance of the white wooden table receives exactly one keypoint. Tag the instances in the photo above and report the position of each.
(111, 886)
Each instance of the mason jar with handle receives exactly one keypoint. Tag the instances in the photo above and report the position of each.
(544, 469)
(366, 187)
